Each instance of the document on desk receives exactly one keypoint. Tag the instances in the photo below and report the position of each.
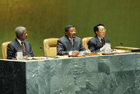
(82, 53)
(120, 51)
(36, 58)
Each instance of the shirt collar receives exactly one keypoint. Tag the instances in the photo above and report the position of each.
(70, 39)
(19, 41)
(99, 38)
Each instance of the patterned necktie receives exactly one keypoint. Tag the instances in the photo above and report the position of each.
(71, 40)
(102, 42)
(23, 47)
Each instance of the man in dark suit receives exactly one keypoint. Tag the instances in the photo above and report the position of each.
(19, 44)
(69, 44)
(96, 44)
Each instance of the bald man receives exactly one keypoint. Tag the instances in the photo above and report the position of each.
(19, 44)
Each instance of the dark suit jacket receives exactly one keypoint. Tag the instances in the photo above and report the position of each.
(14, 46)
(94, 44)
(64, 45)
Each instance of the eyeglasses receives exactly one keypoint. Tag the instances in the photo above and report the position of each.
(73, 31)
(103, 30)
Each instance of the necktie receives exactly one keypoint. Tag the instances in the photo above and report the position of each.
(23, 47)
(71, 40)
(102, 42)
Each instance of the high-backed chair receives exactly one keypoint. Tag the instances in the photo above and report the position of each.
(50, 47)
(85, 42)
(4, 49)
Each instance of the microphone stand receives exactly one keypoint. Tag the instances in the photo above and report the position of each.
(43, 50)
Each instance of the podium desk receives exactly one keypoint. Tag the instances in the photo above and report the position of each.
(107, 74)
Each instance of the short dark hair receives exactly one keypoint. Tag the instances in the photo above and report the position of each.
(67, 27)
(96, 27)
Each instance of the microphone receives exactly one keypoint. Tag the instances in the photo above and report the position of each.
(41, 48)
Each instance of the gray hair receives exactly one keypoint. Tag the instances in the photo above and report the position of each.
(19, 29)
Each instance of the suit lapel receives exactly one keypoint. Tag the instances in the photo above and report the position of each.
(98, 42)
(69, 45)
(18, 46)
(68, 40)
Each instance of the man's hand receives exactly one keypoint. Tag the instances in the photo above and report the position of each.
(75, 53)
(103, 48)
(88, 51)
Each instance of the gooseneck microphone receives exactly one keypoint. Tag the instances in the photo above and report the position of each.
(121, 44)
(41, 48)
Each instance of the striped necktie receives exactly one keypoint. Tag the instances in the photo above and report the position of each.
(23, 47)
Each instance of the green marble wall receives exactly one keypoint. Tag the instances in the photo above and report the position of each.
(47, 18)
(108, 74)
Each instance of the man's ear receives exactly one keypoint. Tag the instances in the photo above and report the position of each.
(66, 33)
(19, 35)
(96, 32)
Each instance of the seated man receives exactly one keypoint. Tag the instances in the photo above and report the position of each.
(96, 44)
(69, 44)
(19, 44)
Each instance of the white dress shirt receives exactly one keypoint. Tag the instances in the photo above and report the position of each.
(20, 42)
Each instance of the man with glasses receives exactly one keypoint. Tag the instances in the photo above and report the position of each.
(19, 44)
(69, 44)
(97, 43)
